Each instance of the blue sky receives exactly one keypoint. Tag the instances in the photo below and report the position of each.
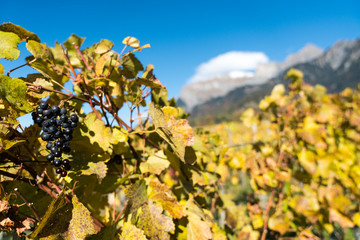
(184, 34)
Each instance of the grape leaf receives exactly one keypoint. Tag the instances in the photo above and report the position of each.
(1, 68)
(162, 194)
(280, 222)
(137, 194)
(9, 45)
(100, 64)
(131, 66)
(198, 227)
(56, 219)
(132, 42)
(98, 168)
(130, 232)
(14, 91)
(155, 164)
(154, 223)
(104, 46)
(21, 32)
(38, 50)
(81, 223)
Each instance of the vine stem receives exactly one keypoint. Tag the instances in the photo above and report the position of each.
(266, 218)
(27, 203)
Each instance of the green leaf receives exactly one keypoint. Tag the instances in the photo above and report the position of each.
(81, 224)
(132, 42)
(46, 69)
(130, 232)
(107, 232)
(13, 90)
(155, 164)
(97, 132)
(38, 50)
(104, 46)
(9, 45)
(21, 32)
(98, 168)
(1, 69)
(131, 66)
(56, 219)
(155, 225)
(137, 194)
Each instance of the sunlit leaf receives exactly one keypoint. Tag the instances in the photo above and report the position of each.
(98, 168)
(21, 32)
(104, 46)
(130, 232)
(155, 164)
(132, 42)
(9, 45)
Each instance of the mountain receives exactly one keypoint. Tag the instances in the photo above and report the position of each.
(197, 93)
(336, 69)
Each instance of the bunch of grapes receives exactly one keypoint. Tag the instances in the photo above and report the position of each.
(57, 129)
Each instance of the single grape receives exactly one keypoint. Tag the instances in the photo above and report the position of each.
(74, 118)
(66, 162)
(63, 118)
(34, 115)
(52, 129)
(66, 125)
(43, 105)
(53, 149)
(55, 109)
(39, 110)
(57, 162)
(53, 122)
(50, 157)
(58, 153)
(68, 131)
(59, 143)
(45, 136)
(63, 111)
(59, 170)
(46, 123)
(49, 145)
(47, 112)
(39, 119)
(63, 173)
(73, 124)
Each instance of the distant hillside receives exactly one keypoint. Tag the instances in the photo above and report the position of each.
(336, 69)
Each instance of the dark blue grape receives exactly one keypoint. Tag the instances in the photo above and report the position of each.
(59, 143)
(53, 122)
(57, 162)
(54, 149)
(66, 149)
(58, 153)
(34, 115)
(45, 136)
(52, 129)
(59, 170)
(47, 112)
(39, 119)
(50, 157)
(73, 124)
(74, 118)
(63, 111)
(46, 123)
(49, 145)
(63, 118)
(39, 110)
(55, 109)
(66, 125)
(66, 162)
(68, 131)
(43, 105)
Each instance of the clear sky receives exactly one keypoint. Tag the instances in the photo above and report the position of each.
(184, 34)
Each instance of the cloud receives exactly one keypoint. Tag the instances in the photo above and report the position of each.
(234, 61)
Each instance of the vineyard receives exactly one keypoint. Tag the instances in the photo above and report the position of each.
(288, 170)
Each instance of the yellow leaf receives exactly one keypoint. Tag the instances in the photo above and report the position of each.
(155, 164)
(132, 42)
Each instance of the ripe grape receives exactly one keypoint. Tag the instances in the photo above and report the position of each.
(43, 105)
